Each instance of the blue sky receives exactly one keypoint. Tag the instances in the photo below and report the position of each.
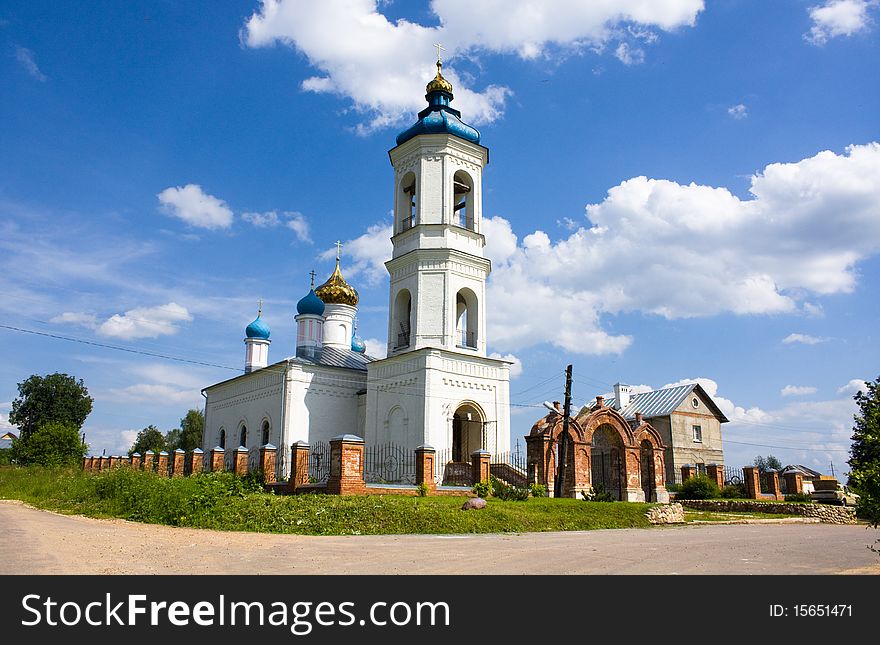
(677, 190)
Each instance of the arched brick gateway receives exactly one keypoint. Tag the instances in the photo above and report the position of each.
(625, 459)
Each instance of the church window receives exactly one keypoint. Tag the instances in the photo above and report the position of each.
(222, 441)
(265, 431)
(242, 441)
(463, 199)
(466, 318)
(407, 202)
(402, 318)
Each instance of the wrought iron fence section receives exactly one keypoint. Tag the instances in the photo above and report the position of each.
(511, 467)
(733, 476)
(319, 462)
(389, 463)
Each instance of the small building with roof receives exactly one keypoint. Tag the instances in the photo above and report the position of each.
(6, 440)
(686, 418)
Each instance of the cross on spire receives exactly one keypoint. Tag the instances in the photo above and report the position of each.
(260, 310)
(338, 249)
(439, 47)
(312, 273)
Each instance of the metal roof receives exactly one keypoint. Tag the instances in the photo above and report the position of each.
(660, 403)
(334, 357)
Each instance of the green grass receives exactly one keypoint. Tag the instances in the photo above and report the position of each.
(224, 502)
(724, 516)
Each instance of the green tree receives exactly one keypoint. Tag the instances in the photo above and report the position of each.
(150, 438)
(769, 463)
(172, 440)
(864, 459)
(192, 428)
(52, 444)
(54, 398)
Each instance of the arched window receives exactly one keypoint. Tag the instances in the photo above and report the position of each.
(222, 441)
(242, 441)
(463, 198)
(407, 202)
(467, 321)
(402, 317)
(265, 431)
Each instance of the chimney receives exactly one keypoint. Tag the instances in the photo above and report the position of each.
(600, 401)
(623, 394)
(558, 406)
(638, 418)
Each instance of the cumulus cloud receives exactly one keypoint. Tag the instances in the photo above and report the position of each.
(855, 385)
(838, 18)
(145, 322)
(376, 348)
(293, 220)
(804, 339)
(802, 233)
(90, 321)
(515, 369)
(382, 65)
(368, 254)
(629, 55)
(195, 207)
(155, 392)
(738, 111)
(797, 390)
(28, 62)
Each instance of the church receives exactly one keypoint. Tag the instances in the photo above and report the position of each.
(437, 385)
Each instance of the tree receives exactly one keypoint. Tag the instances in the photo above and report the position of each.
(770, 463)
(150, 438)
(54, 398)
(52, 444)
(864, 459)
(172, 440)
(192, 427)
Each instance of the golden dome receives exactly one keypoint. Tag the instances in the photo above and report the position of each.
(336, 291)
(439, 83)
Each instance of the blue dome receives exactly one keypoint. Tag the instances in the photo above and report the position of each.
(358, 345)
(438, 117)
(310, 304)
(258, 329)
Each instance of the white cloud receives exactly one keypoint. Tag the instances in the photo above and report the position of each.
(516, 368)
(90, 321)
(151, 392)
(376, 348)
(145, 322)
(293, 220)
(28, 61)
(680, 251)
(629, 55)
(838, 18)
(368, 253)
(813, 310)
(382, 66)
(804, 339)
(855, 385)
(195, 207)
(738, 111)
(797, 390)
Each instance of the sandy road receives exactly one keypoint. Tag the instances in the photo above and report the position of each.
(39, 542)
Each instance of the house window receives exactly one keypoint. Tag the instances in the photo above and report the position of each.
(695, 402)
(698, 434)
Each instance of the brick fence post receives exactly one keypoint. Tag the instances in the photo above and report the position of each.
(716, 474)
(114, 461)
(196, 461)
(177, 463)
(149, 461)
(240, 463)
(162, 464)
(346, 466)
(773, 484)
(480, 465)
(752, 481)
(299, 465)
(538, 451)
(794, 482)
(136, 460)
(688, 471)
(218, 460)
(267, 462)
(425, 467)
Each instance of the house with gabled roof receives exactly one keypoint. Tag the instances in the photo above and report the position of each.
(6, 440)
(686, 418)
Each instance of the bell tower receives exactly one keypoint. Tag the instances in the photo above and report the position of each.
(437, 269)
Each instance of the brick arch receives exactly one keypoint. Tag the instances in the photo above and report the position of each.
(646, 432)
(593, 420)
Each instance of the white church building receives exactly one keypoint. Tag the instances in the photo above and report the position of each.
(437, 385)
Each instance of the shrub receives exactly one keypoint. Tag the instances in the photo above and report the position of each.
(672, 487)
(482, 489)
(733, 491)
(538, 490)
(699, 487)
(505, 491)
(422, 489)
(798, 497)
(597, 494)
(52, 444)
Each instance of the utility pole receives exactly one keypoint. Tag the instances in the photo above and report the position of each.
(832, 469)
(563, 439)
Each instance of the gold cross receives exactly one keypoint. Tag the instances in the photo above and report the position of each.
(439, 47)
(338, 248)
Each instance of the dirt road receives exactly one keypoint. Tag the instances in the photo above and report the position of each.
(40, 542)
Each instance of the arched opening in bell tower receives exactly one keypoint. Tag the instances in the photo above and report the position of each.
(463, 192)
(406, 200)
(402, 317)
(466, 319)
(467, 431)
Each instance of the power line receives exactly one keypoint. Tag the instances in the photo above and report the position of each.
(763, 445)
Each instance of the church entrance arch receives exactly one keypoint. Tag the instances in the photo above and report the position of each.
(467, 431)
(607, 464)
